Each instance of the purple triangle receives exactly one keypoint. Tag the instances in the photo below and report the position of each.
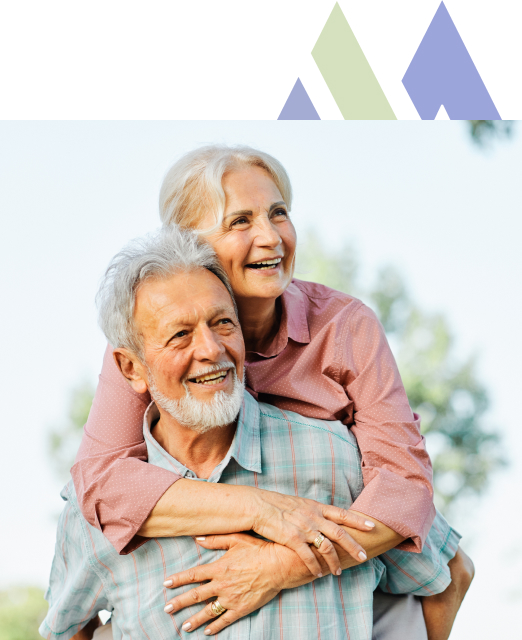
(298, 105)
(443, 73)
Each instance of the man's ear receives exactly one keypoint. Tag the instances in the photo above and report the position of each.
(129, 364)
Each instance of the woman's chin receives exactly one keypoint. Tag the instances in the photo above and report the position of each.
(265, 290)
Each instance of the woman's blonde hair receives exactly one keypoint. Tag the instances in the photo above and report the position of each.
(193, 185)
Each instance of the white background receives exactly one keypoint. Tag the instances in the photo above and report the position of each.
(63, 59)
(420, 196)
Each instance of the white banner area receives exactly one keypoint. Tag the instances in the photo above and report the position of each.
(231, 59)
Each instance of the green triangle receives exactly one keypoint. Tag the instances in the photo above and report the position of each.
(347, 73)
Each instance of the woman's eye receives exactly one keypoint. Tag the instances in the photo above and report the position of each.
(180, 334)
(239, 221)
(280, 212)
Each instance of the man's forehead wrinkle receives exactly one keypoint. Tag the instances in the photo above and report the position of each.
(198, 313)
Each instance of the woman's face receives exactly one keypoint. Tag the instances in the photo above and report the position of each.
(256, 228)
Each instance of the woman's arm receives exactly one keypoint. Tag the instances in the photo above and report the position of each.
(203, 507)
(396, 467)
(116, 489)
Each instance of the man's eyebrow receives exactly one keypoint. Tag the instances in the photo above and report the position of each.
(247, 212)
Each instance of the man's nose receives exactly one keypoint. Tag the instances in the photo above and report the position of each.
(266, 233)
(208, 346)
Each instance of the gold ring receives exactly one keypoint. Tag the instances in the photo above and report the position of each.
(216, 608)
(318, 541)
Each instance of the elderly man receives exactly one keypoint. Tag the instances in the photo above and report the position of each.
(167, 306)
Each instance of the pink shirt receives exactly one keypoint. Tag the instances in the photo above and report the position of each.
(329, 360)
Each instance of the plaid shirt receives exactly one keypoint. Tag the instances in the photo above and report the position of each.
(274, 450)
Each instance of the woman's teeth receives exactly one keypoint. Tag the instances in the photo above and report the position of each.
(211, 378)
(265, 264)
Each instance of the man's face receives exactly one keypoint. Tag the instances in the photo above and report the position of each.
(192, 341)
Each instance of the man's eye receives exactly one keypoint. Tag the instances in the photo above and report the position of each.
(225, 321)
(180, 334)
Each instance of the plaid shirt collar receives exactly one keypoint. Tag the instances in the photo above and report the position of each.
(245, 447)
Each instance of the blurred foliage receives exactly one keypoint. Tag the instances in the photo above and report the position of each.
(65, 439)
(22, 610)
(445, 392)
(483, 132)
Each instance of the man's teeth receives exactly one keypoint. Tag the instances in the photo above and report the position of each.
(265, 264)
(212, 378)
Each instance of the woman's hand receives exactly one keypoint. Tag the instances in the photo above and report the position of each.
(296, 522)
(250, 574)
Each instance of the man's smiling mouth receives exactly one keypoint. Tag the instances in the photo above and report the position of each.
(264, 264)
(210, 378)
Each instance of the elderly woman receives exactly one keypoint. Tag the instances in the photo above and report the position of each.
(311, 350)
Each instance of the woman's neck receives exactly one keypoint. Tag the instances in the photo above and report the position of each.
(259, 320)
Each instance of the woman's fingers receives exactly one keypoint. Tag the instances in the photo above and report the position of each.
(194, 596)
(348, 518)
(206, 616)
(307, 556)
(343, 539)
(327, 550)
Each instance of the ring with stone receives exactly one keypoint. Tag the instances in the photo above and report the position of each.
(216, 608)
(318, 541)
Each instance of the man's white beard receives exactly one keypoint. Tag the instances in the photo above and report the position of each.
(201, 416)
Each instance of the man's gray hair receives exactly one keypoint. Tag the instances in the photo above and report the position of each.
(157, 255)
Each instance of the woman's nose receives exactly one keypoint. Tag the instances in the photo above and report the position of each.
(266, 233)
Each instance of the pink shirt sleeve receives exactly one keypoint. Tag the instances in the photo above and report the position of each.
(396, 467)
(116, 488)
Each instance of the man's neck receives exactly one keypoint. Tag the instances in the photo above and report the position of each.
(200, 453)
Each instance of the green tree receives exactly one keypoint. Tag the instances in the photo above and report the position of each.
(65, 439)
(483, 132)
(446, 393)
(22, 610)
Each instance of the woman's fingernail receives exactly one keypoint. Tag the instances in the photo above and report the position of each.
(208, 632)
(369, 524)
(168, 608)
(363, 556)
(186, 626)
(319, 575)
(167, 583)
(339, 571)
(200, 538)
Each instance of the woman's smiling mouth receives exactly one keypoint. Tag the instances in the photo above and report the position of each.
(264, 264)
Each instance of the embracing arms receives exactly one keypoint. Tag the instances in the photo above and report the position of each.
(253, 572)
(294, 522)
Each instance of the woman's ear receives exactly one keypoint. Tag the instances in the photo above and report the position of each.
(131, 368)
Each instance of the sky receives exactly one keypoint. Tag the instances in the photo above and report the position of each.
(420, 196)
